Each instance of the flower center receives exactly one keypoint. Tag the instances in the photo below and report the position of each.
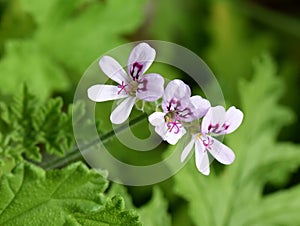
(173, 123)
(130, 88)
(133, 88)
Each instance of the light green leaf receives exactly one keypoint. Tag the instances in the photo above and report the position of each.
(71, 196)
(67, 38)
(234, 196)
(27, 126)
(78, 32)
(24, 61)
(153, 213)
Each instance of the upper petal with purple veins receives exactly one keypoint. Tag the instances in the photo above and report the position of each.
(140, 59)
(176, 96)
(196, 109)
(214, 121)
(150, 87)
(217, 121)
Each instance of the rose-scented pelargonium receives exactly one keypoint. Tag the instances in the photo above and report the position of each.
(216, 122)
(132, 86)
(179, 114)
(178, 107)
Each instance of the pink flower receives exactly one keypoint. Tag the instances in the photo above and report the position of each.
(216, 122)
(132, 85)
(178, 107)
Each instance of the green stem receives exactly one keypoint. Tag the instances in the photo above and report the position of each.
(75, 154)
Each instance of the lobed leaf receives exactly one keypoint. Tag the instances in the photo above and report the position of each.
(28, 127)
(70, 196)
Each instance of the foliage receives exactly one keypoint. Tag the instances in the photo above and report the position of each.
(42, 59)
(235, 195)
(27, 127)
(148, 213)
(70, 196)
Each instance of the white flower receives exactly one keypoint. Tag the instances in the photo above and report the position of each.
(216, 122)
(178, 107)
(132, 86)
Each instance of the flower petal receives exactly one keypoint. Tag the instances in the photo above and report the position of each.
(171, 137)
(201, 156)
(113, 69)
(221, 152)
(234, 118)
(100, 93)
(187, 149)
(201, 106)
(213, 121)
(176, 96)
(151, 87)
(121, 113)
(140, 59)
(157, 119)
(196, 109)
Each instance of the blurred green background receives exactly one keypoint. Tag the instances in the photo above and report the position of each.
(253, 48)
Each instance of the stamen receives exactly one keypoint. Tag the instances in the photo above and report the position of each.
(122, 87)
(173, 125)
(207, 142)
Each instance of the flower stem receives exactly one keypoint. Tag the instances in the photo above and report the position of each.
(75, 153)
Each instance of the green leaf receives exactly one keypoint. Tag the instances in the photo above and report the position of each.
(25, 62)
(67, 39)
(153, 213)
(234, 196)
(112, 214)
(82, 30)
(71, 196)
(28, 127)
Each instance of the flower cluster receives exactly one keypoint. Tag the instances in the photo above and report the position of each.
(179, 113)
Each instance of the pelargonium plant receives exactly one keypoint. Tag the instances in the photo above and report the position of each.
(179, 113)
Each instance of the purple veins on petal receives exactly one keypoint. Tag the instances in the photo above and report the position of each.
(185, 113)
(135, 71)
(173, 105)
(142, 85)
